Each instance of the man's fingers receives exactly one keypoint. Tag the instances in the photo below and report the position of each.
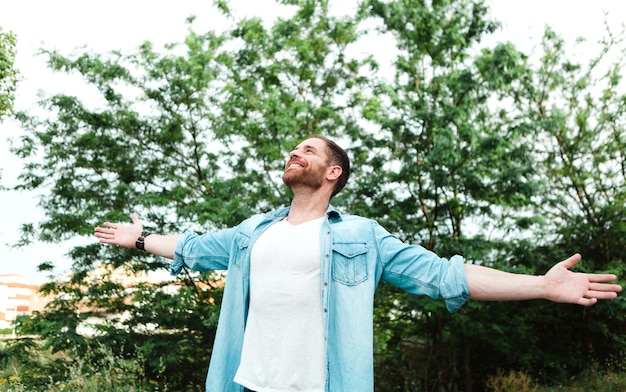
(587, 301)
(571, 261)
(104, 230)
(108, 225)
(614, 288)
(598, 278)
(602, 294)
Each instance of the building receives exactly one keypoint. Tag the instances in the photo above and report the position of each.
(18, 297)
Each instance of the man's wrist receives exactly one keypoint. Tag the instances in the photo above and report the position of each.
(140, 243)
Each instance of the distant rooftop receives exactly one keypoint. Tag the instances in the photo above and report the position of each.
(15, 278)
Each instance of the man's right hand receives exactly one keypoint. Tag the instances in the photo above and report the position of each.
(126, 235)
(120, 234)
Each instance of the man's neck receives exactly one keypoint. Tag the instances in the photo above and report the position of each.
(304, 209)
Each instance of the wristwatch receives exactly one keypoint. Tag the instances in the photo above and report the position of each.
(139, 244)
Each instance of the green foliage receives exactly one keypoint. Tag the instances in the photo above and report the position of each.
(595, 378)
(168, 327)
(579, 119)
(8, 72)
(25, 367)
(512, 161)
(576, 114)
(97, 369)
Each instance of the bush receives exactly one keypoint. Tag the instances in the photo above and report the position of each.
(595, 379)
(98, 371)
(513, 381)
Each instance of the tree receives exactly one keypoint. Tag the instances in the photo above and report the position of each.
(191, 139)
(8, 73)
(575, 112)
(194, 138)
(453, 169)
(477, 144)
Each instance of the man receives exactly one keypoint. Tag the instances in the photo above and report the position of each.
(298, 303)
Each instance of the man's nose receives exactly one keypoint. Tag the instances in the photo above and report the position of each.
(293, 154)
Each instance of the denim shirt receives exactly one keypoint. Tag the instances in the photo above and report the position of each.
(356, 254)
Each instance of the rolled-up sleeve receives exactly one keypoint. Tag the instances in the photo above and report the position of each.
(421, 271)
(204, 252)
(179, 259)
(454, 289)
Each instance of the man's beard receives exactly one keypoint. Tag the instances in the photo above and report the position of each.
(312, 179)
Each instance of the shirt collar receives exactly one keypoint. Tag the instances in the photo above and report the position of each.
(331, 213)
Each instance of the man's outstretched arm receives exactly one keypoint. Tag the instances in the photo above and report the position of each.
(558, 285)
(127, 235)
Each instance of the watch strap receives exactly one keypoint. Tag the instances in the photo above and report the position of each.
(139, 244)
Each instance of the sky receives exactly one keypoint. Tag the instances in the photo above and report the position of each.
(98, 26)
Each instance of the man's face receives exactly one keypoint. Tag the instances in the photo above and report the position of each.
(306, 165)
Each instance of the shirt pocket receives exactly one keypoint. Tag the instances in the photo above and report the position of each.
(350, 262)
(241, 245)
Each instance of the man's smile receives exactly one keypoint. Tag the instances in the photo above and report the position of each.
(294, 165)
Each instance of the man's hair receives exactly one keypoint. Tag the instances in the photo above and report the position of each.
(336, 156)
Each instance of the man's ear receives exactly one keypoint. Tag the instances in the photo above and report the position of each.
(334, 172)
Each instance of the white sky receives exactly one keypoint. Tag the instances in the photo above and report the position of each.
(66, 25)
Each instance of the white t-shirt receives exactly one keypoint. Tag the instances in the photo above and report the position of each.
(283, 347)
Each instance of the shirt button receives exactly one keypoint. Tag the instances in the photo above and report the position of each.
(325, 310)
(327, 256)
(325, 283)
